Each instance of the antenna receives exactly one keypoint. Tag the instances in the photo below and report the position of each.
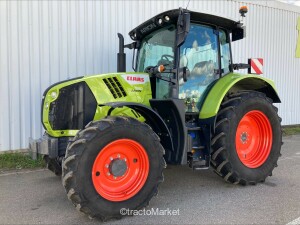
(188, 4)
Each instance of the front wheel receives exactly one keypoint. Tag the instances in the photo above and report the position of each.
(247, 140)
(112, 164)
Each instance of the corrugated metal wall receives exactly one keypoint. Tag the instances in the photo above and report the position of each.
(42, 42)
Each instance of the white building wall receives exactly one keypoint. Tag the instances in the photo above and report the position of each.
(43, 42)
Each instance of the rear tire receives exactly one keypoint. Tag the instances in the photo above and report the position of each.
(84, 163)
(247, 140)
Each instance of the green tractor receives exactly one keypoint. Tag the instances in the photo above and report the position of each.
(112, 135)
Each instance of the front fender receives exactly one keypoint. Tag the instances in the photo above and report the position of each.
(234, 82)
(152, 118)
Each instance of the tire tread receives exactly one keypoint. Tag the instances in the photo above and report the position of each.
(219, 156)
(77, 147)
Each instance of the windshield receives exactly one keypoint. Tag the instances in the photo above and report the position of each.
(157, 48)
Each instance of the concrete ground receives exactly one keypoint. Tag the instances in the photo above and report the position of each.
(37, 197)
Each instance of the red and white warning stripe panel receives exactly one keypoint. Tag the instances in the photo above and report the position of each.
(256, 65)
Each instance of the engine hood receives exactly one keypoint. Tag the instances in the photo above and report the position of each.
(69, 105)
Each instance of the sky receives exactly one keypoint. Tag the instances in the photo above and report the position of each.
(293, 2)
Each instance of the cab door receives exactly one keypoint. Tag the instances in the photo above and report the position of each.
(199, 54)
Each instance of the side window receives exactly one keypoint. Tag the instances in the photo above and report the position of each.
(200, 46)
(225, 52)
(199, 54)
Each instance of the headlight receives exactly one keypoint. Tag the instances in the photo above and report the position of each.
(160, 21)
(53, 94)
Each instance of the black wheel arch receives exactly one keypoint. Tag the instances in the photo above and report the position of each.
(246, 84)
(153, 119)
(254, 84)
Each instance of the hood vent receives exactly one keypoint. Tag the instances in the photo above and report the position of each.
(115, 87)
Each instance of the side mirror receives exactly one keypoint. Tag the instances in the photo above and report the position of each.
(238, 33)
(183, 27)
(184, 72)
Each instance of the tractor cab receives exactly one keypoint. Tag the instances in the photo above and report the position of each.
(185, 53)
(193, 50)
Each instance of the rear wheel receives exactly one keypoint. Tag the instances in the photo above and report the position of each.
(247, 140)
(112, 164)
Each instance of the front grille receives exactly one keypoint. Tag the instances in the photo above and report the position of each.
(74, 107)
(115, 87)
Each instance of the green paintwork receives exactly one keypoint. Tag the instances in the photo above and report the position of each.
(138, 93)
(141, 93)
(213, 100)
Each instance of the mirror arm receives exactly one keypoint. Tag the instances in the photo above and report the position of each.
(133, 45)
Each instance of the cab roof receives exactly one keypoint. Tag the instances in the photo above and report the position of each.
(152, 24)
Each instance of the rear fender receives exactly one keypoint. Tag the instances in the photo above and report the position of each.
(232, 83)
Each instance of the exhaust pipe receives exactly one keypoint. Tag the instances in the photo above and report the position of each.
(121, 55)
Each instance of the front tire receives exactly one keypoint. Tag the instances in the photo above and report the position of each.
(113, 163)
(247, 140)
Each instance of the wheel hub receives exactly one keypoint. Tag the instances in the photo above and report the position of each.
(118, 167)
(244, 137)
(253, 139)
(120, 170)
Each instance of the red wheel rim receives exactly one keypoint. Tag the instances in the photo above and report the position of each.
(120, 170)
(253, 140)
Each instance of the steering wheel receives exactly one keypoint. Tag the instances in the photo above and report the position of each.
(167, 57)
(166, 60)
